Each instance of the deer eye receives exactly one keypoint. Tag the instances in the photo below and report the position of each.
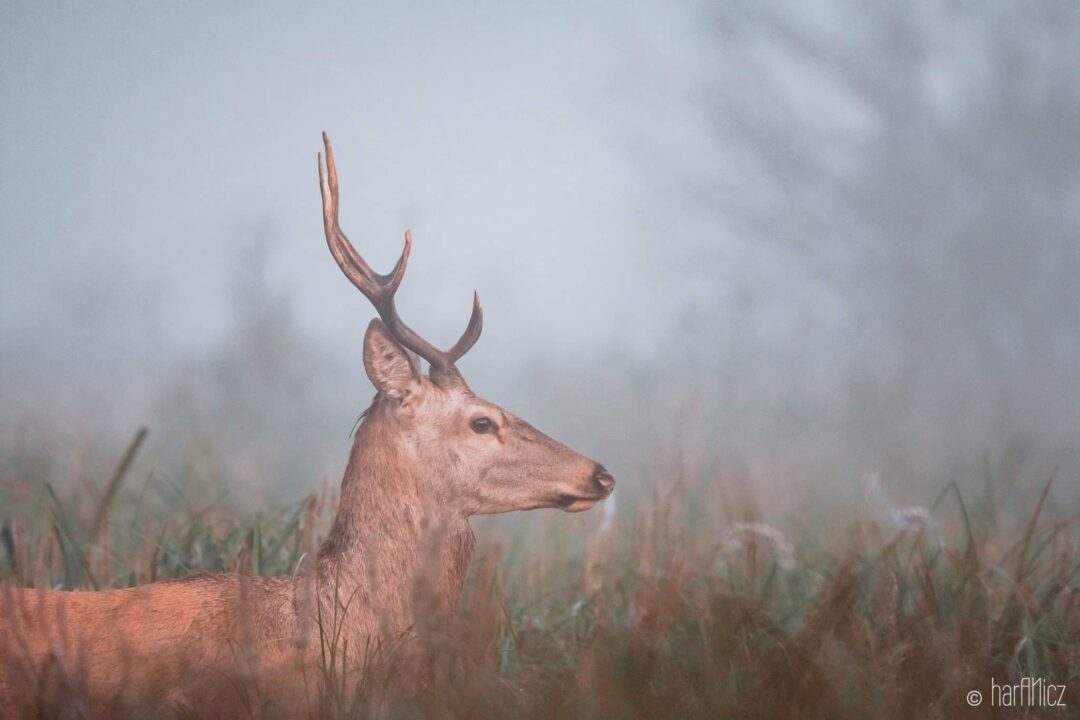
(482, 425)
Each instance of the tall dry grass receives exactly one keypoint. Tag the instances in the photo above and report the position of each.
(672, 606)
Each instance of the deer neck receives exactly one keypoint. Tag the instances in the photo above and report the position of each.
(393, 560)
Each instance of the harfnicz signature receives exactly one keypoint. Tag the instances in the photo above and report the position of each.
(1029, 692)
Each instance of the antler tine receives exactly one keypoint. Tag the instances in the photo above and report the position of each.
(380, 289)
(372, 284)
(472, 331)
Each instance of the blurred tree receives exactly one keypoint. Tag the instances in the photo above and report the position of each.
(920, 164)
(258, 406)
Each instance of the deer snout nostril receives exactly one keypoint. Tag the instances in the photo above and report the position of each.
(603, 478)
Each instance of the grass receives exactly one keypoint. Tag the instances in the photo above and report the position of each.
(669, 610)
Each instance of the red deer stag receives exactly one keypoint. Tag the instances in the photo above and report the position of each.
(427, 455)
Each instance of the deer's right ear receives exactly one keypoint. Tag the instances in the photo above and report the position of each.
(388, 364)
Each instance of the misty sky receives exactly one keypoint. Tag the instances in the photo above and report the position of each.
(147, 152)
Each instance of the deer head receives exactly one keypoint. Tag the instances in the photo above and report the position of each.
(471, 456)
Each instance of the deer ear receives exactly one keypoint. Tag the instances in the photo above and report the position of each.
(388, 364)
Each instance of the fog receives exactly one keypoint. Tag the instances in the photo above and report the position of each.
(803, 240)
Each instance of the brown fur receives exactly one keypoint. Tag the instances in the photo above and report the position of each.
(134, 648)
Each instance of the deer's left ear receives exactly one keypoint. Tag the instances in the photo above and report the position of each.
(389, 366)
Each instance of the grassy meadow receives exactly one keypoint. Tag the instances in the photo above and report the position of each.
(678, 603)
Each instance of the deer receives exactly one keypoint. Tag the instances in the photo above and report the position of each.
(428, 454)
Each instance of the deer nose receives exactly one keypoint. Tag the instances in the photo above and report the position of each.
(603, 478)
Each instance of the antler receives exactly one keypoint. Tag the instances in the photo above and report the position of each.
(380, 289)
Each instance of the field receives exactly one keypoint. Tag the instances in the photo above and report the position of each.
(677, 603)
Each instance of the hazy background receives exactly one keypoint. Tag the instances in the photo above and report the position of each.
(797, 241)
